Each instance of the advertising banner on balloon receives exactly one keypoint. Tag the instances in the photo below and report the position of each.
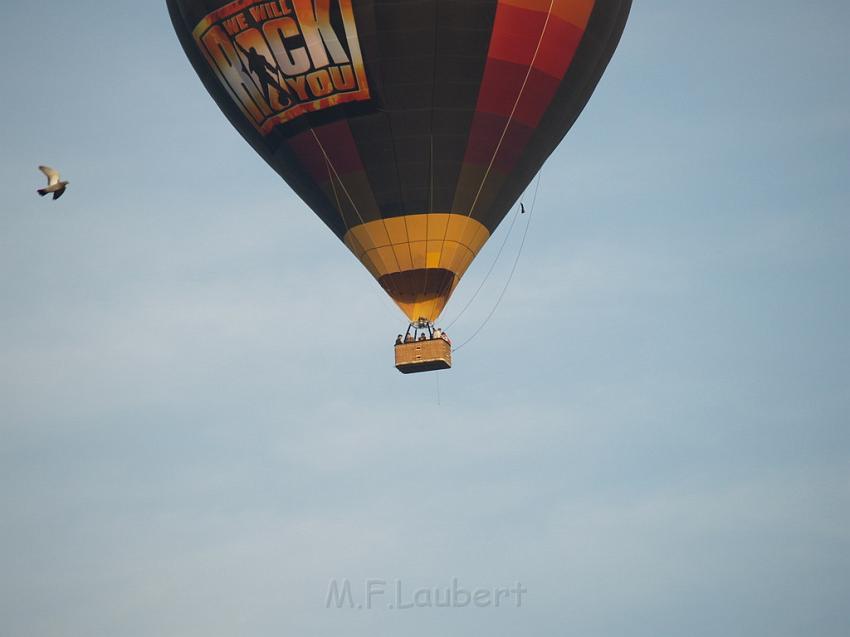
(279, 60)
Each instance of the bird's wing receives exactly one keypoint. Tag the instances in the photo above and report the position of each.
(58, 193)
(52, 175)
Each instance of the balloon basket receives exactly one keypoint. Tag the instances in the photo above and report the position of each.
(423, 356)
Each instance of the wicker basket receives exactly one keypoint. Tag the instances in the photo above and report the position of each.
(423, 356)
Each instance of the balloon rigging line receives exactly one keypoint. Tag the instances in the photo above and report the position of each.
(342, 216)
(489, 168)
(336, 196)
(510, 119)
(347, 194)
(431, 164)
(513, 269)
(330, 164)
(427, 217)
(513, 110)
(489, 272)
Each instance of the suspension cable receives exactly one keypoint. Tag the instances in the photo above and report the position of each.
(513, 270)
(489, 271)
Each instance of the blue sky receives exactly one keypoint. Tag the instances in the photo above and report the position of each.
(651, 435)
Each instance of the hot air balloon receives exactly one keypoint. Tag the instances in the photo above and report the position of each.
(410, 127)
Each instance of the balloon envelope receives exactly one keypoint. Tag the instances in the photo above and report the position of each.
(410, 127)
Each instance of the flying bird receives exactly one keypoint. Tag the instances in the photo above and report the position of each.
(521, 208)
(54, 185)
